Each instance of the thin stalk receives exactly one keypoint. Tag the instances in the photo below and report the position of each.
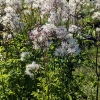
(46, 73)
(97, 88)
(31, 17)
(3, 87)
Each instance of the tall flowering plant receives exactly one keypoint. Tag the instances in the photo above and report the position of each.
(39, 49)
(37, 41)
(54, 39)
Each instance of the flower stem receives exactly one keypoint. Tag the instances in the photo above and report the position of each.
(97, 88)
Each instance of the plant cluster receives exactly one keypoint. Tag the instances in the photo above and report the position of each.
(41, 44)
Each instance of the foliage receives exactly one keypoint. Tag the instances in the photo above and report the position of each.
(40, 54)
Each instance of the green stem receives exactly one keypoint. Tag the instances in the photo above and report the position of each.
(97, 88)
(46, 73)
(3, 87)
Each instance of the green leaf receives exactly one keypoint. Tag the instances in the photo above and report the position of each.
(70, 97)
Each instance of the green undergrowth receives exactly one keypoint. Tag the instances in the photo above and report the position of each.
(86, 75)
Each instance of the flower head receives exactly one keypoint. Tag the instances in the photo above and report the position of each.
(96, 15)
(31, 67)
(24, 55)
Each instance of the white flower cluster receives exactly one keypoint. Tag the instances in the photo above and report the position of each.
(45, 37)
(31, 67)
(2, 2)
(96, 15)
(24, 55)
(97, 29)
(15, 4)
(67, 47)
(97, 1)
(11, 18)
(31, 4)
(75, 6)
(97, 6)
(56, 9)
(42, 36)
(6, 36)
(73, 28)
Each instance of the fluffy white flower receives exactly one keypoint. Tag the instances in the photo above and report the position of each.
(27, 12)
(2, 2)
(69, 36)
(40, 36)
(31, 67)
(97, 29)
(96, 15)
(32, 3)
(49, 27)
(97, 6)
(6, 19)
(35, 45)
(92, 10)
(15, 4)
(62, 50)
(65, 14)
(54, 18)
(9, 9)
(97, 1)
(11, 17)
(58, 11)
(73, 28)
(67, 47)
(24, 55)
(11, 21)
(73, 47)
(61, 32)
(29, 3)
(7, 36)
